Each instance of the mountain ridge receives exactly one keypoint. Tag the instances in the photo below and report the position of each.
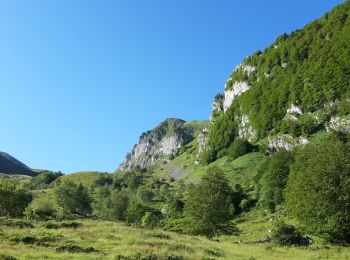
(10, 165)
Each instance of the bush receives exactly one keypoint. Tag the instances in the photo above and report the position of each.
(72, 247)
(41, 208)
(158, 235)
(72, 198)
(42, 239)
(135, 212)
(110, 204)
(18, 223)
(63, 224)
(285, 235)
(238, 148)
(149, 256)
(7, 257)
(151, 219)
(13, 199)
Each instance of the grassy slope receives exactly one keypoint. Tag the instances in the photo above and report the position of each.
(112, 239)
(240, 171)
(86, 178)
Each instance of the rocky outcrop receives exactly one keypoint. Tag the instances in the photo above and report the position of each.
(162, 143)
(286, 142)
(294, 109)
(339, 124)
(230, 94)
(202, 142)
(245, 130)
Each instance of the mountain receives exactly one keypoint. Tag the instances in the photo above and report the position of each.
(9, 165)
(282, 97)
(294, 92)
(162, 143)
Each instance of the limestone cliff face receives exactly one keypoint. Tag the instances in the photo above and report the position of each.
(161, 144)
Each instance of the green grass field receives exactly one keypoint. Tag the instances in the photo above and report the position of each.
(85, 178)
(111, 240)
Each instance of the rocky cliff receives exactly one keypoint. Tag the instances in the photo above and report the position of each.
(162, 143)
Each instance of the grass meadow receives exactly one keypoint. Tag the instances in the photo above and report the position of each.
(92, 239)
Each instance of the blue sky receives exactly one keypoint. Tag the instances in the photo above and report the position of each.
(81, 80)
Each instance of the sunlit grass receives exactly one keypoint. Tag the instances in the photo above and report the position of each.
(110, 240)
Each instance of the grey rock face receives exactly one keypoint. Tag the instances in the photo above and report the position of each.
(245, 130)
(162, 143)
(237, 89)
(286, 142)
(339, 124)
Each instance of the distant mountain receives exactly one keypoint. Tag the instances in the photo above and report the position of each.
(162, 143)
(10, 165)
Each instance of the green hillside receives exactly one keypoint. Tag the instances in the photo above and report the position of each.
(268, 177)
(308, 69)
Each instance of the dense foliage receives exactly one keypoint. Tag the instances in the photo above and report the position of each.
(285, 235)
(274, 179)
(72, 198)
(209, 206)
(13, 198)
(318, 190)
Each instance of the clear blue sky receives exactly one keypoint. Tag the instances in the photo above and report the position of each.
(81, 80)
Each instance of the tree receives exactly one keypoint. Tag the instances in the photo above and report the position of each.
(238, 148)
(209, 209)
(285, 235)
(135, 211)
(13, 198)
(318, 190)
(110, 204)
(274, 179)
(72, 198)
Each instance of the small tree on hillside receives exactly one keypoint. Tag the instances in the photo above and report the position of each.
(13, 199)
(72, 198)
(274, 179)
(209, 209)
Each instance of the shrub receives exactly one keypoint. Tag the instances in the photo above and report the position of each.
(63, 224)
(285, 235)
(7, 257)
(18, 223)
(135, 212)
(41, 208)
(42, 239)
(13, 199)
(72, 198)
(151, 219)
(72, 247)
(238, 148)
(158, 235)
(110, 204)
